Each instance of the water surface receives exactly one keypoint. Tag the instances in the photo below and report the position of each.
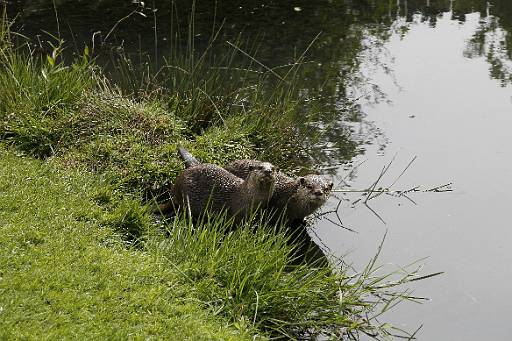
(449, 112)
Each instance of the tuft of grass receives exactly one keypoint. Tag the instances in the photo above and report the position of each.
(135, 143)
(36, 98)
(129, 219)
(245, 274)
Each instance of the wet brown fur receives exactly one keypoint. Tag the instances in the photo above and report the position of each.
(206, 186)
(296, 198)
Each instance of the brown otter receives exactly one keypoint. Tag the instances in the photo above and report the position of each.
(207, 186)
(297, 198)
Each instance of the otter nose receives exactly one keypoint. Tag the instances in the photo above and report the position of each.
(267, 171)
(319, 192)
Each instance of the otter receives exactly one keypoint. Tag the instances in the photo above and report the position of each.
(209, 187)
(295, 198)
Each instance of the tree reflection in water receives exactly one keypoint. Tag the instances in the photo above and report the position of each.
(332, 82)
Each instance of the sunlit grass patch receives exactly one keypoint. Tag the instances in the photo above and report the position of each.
(65, 271)
(36, 100)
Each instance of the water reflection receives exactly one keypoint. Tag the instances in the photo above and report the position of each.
(284, 30)
(451, 113)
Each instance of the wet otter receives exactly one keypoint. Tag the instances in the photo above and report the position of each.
(295, 197)
(298, 197)
(206, 186)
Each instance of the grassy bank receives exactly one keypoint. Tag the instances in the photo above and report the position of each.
(66, 273)
(81, 257)
(72, 114)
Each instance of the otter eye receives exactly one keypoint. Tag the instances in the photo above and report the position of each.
(309, 186)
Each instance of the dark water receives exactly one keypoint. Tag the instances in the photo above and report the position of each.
(396, 79)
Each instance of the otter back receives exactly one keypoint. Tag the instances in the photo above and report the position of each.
(207, 186)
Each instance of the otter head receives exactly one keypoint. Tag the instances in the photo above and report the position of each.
(263, 173)
(315, 189)
(261, 181)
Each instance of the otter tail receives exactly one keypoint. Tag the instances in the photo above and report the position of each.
(187, 157)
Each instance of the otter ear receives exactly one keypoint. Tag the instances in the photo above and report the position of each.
(302, 180)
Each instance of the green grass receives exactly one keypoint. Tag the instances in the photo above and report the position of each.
(36, 100)
(66, 273)
(244, 274)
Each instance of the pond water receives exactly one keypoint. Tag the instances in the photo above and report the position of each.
(447, 111)
(400, 79)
